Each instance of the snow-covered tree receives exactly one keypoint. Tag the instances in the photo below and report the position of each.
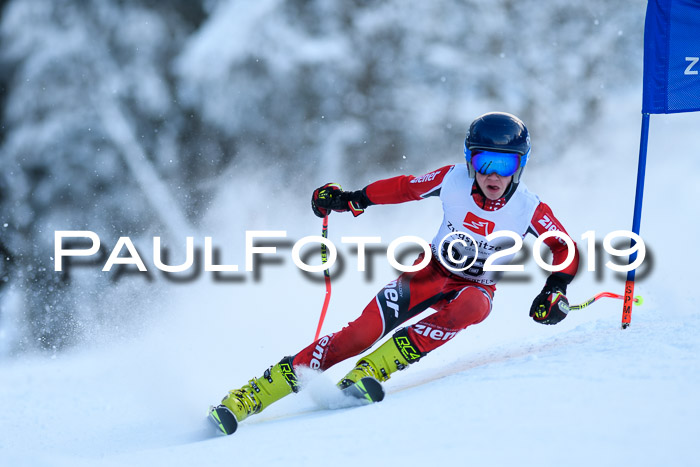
(92, 141)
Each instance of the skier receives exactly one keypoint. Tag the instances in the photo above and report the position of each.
(482, 196)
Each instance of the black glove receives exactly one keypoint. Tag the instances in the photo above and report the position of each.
(551, 305)
(331, 197)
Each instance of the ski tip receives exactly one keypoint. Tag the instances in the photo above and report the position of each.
(374, 389)
(223, 419)
(367, 389)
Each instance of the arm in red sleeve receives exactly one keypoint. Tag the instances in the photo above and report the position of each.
(544, 221)
(407, 187)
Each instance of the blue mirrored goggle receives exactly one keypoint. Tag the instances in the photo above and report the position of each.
(502, 163)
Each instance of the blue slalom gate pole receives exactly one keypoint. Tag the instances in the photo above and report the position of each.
(636, 221)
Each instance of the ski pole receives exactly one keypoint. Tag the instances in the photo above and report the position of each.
(637, 300)
(327, 277)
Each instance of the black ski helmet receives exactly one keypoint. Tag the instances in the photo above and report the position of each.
(498, 132)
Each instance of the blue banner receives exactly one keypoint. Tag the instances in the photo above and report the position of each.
(672, 57)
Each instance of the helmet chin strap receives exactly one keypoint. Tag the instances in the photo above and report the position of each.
(515, 181)
(512, 186)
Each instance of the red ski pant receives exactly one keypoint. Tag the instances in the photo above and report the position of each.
(457, 302)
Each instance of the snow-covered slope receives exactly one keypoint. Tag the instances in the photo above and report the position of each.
(505, 392)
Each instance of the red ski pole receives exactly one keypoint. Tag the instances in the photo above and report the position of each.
(327, 277)
(636, 300)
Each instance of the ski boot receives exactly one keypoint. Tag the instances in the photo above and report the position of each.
(276, 382)
(393, 355)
